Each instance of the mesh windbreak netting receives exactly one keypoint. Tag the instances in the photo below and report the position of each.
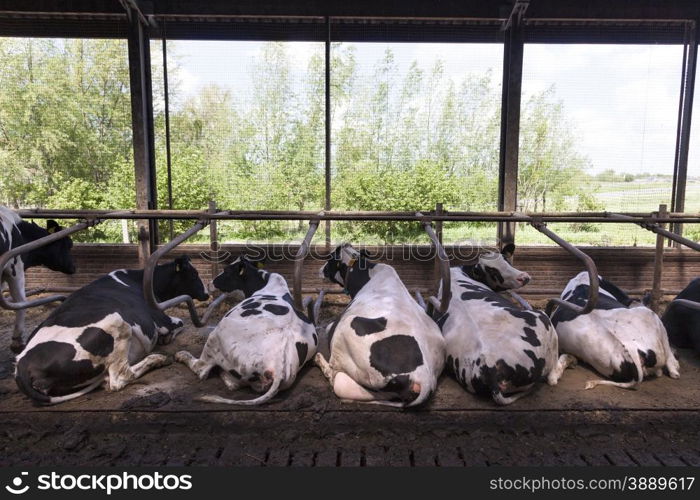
(247, 129)
(414, 124)
(598, 133)
(65, 128)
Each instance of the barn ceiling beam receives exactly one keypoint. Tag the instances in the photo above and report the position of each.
(476, 9)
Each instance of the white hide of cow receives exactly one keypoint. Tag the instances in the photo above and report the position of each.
(495, 348)
(384, 346)
(624, 343)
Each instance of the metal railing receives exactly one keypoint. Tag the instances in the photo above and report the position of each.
(33, 245)
(149, 269)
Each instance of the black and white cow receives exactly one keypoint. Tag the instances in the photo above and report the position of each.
(56, 256)
(384, 349)
(493, 347)
(683, 323)
(262, 342)
(103, 332)
(621, 340)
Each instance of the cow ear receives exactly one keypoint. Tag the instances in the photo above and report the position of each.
(508, 250)
(52, 226)
(242, 271)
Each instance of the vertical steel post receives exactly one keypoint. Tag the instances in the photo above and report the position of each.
(685, 113)
(214, 240)
(327, 205)
(166, 98)
(658, 264)
(143, 139)
(510, 125)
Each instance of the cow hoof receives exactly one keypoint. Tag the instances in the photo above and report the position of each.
(17, 346)
(590, 384)
(182, 356)
(160, 360)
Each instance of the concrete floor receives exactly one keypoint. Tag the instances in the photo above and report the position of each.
(308, 425)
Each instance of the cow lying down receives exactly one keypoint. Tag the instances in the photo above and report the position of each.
(682, 322)
(384, 348)
(619, 340)
(103, 332)
(493, 347)
(262, 342)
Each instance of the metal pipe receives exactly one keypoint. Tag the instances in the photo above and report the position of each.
(299, 262)
(33, 245)
(687, 303)
(656, 228)
(444, 263)
(604, 217)
(150, 267)
(587, 261)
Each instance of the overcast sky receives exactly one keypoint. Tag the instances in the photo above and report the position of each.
(621, 99)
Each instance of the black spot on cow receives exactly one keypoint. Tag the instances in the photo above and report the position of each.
(442, 319)
(683, 323)
(254, 377)
(275, 309)
(449, 362)
(544, 318)
(49, 369)
(266, 297)
(234, 373)
(250, 312)
(627, 372)
(396, 354)
(315, 338)
(531, 337)
(401, 387)
(648, 358)
(251, 305)
(302, 351)
(616, 292)
(96, 341)
(367, 326)
(579, 297)
(478, 361)
(528, 316)
(490, 378)
(288, 299)
(456, 365)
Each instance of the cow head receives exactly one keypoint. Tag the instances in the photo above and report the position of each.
(56, 256)
(348, 268)
(244, 275)
(178, 278)
(494, 270)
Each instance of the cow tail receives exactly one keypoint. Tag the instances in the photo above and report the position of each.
(24, 383)
(271, 392)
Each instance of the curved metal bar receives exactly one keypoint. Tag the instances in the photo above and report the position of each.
(150, 268)
(214, 306)
(299, 262)
(444, 262)
(687, 303)
(33, 245)
(588, 263)
(523, 303)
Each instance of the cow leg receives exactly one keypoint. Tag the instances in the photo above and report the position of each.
(672, 364)
(199, 367)
(121, 374)
(564, 361)
(119, 370)
(502, 400)
(231, 382)
(15, 282)
(326, 369)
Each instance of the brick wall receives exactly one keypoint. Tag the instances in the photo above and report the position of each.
(550, 267)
